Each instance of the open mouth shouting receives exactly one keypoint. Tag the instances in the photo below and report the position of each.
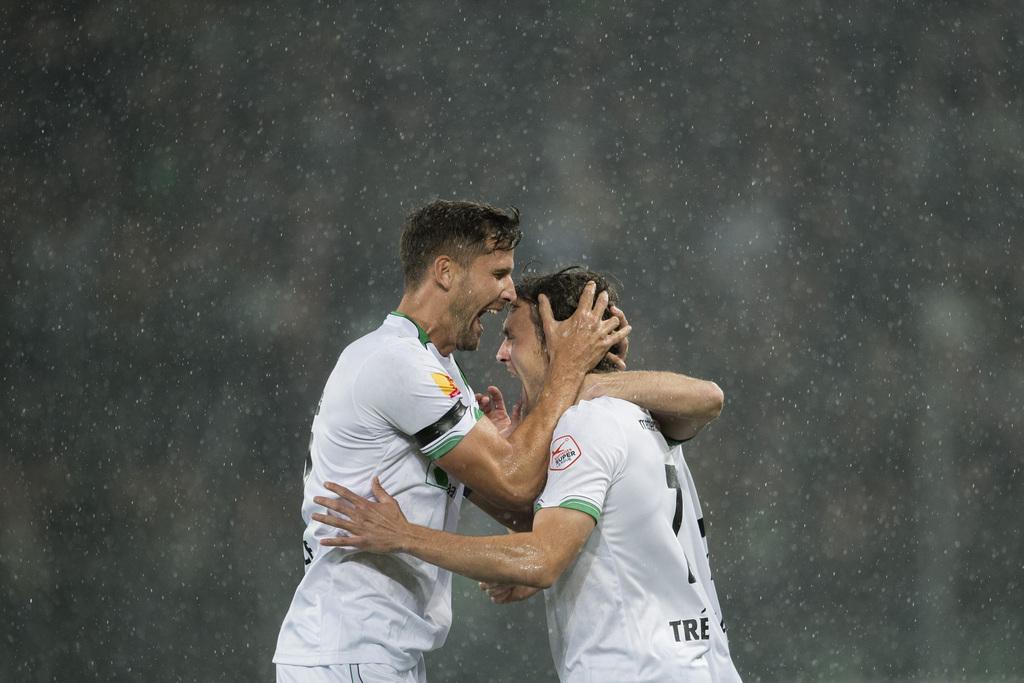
(493, 309)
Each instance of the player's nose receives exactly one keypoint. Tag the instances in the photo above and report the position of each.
(502, 356)
(508, 292)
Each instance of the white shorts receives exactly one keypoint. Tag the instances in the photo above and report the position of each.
(350, 673)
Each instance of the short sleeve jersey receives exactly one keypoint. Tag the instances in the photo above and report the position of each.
(638, 604)
(392, 406)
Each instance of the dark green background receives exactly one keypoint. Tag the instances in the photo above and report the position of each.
(817, 205)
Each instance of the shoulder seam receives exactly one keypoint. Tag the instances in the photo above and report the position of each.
(600, 411)
(384, 348)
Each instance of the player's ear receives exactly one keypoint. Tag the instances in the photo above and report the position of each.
(444, 271)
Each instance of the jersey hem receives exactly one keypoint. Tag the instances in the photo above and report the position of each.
(368, 654)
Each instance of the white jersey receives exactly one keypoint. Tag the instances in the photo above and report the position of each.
(638, 604)
(392, 406)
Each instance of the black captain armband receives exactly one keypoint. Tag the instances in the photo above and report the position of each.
(431, 433)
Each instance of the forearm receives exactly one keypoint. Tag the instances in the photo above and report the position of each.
(531, 441)
(512, 558)
(516, 520)
(682, 405)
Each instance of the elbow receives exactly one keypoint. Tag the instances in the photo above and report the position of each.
(507, 495)
(714, 400)
(544, 582)
(520, 498)
(519, 492)
(542, 577)
(548, 577)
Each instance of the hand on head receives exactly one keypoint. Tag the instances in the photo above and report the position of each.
(584, 338)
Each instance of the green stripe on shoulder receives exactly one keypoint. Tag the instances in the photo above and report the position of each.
(582, 506)
(462, 373)
(443, 447)
(420, 332)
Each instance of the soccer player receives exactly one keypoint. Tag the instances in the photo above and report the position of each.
(618, 534)
(397, 409)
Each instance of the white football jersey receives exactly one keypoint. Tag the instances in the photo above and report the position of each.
(392, 406)
(638, 604)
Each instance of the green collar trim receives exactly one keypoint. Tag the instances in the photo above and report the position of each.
(424, 337)
(461, 372)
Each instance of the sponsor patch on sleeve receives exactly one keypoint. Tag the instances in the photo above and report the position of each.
(564, 452)
(446, 384)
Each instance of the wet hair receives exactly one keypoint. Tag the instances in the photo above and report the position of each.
(462, 230)
(563, 290)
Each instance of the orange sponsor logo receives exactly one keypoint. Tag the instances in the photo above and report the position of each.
(446, 384)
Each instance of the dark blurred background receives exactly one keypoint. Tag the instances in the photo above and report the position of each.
(816, 205)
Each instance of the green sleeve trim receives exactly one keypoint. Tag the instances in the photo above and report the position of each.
(580, 506)
(477, 413)
(443, 447)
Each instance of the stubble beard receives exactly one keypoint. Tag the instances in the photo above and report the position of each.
(466, 338)
(467, 342)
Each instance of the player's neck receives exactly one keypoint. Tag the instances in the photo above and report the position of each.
(530, 394)
(432, 316)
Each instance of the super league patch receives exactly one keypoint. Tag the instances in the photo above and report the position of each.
(446, 384)
(564, 452)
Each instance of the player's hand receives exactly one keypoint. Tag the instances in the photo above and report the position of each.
(517, 414)
(583, 339)
(377, 526)
(493, 406)
(619, 359)
(504, 593)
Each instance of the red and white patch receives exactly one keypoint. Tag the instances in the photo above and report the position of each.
(564, 452)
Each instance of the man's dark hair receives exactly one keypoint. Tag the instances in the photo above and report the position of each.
(563, 290)
(462, 230)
